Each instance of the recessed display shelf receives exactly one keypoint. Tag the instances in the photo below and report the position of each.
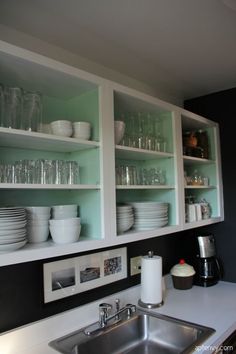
(199, 187)
(189, 160)
(145, 187)
(48, 186)
(125, 152)
(44, 142)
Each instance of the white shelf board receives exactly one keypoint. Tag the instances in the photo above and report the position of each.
(49, 249)
(191, 225)
(199, 187)
(129, 153)
(17, 138)
(48, 186)
(157, 186)
(134, 235)
(190, 160)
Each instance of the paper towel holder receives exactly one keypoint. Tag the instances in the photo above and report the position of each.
(148, 305)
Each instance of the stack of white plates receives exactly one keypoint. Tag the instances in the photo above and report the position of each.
(124, 218)
(12, 229)
(150, 215)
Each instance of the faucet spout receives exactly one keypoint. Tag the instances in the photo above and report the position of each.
(129, 309)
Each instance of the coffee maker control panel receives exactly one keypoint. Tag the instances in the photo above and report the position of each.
(206, 246)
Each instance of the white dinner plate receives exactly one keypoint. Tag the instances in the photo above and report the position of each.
(12, 246)
(13, 240)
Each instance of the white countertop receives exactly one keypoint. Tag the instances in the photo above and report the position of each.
(213, 307)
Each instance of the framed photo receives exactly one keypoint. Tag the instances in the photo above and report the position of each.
(60, 279)
(75, 275)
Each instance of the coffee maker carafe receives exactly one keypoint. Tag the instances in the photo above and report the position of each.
(208, 270)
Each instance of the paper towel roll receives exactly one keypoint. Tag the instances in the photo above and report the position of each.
(151, 280)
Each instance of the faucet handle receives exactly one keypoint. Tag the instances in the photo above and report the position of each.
(104, 309)
(117, 303)
(130, 309)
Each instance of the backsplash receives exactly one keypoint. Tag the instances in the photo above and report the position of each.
(22, 292)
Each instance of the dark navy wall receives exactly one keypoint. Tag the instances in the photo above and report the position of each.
(221, 107)
(21, 290)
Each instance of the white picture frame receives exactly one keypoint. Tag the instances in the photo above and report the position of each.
(78, 274)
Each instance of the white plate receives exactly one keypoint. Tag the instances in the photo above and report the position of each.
(149, 204)
(12, 226)
(12, 246)
(16, 232)
(12, 219)
(4, 241)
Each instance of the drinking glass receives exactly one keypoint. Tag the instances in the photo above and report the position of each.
(13, 107)
(59, 172)
(72, 172)
(140, 131)
(2, 104)
(32, 109)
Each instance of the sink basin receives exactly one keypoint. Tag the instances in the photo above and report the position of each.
(143, 333)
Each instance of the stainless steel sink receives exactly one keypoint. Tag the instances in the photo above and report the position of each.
(143, 333)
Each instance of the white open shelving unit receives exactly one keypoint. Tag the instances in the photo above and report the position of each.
(69, 93)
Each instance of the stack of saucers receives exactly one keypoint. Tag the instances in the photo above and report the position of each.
(124, 217)
(12, 229)
(37, 225)
(150, 215)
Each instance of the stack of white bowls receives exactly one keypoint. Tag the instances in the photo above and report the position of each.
(81, 130)
(37, 223)
(65, 226)
(62, 128)
(124, 218)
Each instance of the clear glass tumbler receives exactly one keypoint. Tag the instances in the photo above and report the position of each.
(13, 104)
(32, 111)
(2, 105)
(72, 172)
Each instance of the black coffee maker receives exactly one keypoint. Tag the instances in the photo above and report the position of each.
(208, 269)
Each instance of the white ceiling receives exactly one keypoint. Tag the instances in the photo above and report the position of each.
(188, 45)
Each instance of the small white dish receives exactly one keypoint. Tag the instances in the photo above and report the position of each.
(81, 130)
(62, 128)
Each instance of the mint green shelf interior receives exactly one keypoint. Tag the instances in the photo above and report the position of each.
(210, 195)
(82, 108)
(165, 164)
(124, 104)
(168, 196)
(88, 201)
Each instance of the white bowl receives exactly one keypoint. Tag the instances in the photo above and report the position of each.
(38, 217)
(62, 128)
(81, 130)
(64, 222)
(36, 234)
(64, 215)
(39, 210)
(65, 234)
(119, 131)
(38, 222)
(67, 207)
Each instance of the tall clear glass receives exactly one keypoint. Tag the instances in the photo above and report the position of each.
(13, 107)
(2, 104)
(32, 111)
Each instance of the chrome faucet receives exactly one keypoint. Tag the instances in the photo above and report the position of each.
(104, 318)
